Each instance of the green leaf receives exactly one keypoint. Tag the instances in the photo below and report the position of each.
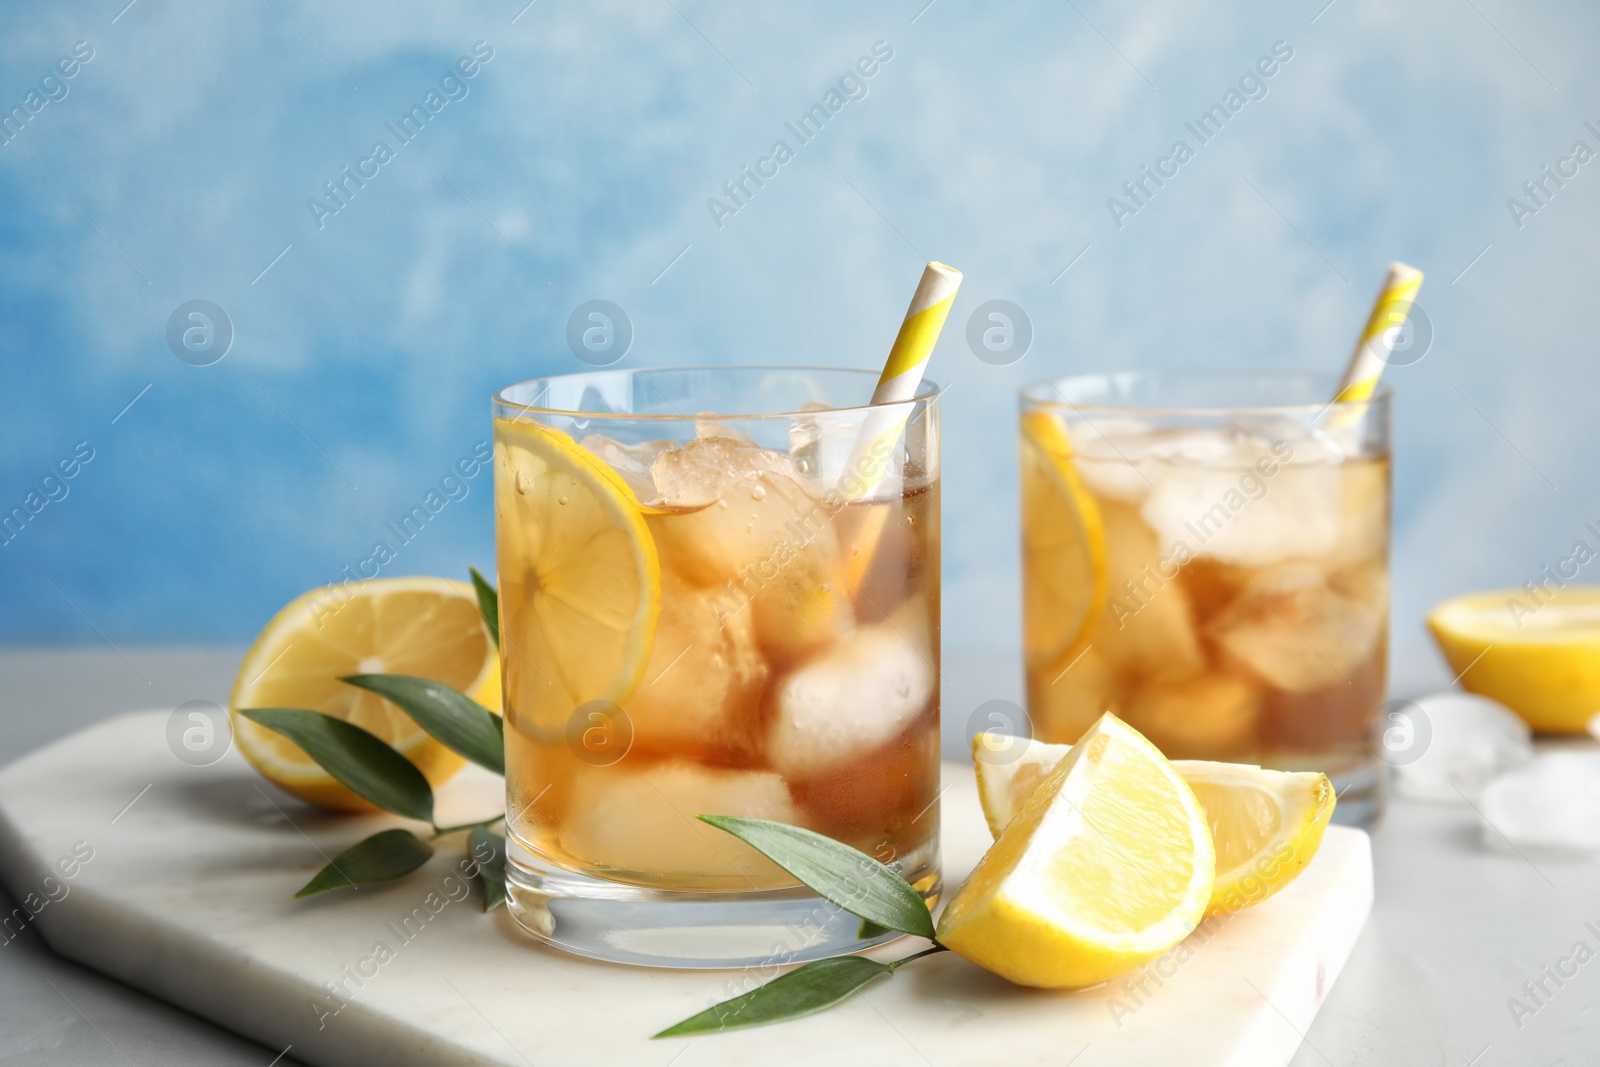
(489, 850)
(802, 991)
(382, 857)
(461, 723)
(838, 873)
(488, 604)
(869, 930)
(359, 760)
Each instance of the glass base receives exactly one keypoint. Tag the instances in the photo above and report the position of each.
(622, 923)
(1361, 791)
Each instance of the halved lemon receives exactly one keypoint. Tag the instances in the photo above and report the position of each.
(580, 579)
(1063, 547)
(1539, 656)
(429, 627)
(1266, 824)
(1107, 864)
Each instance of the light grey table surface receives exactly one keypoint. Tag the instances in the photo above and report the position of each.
(1457, 929)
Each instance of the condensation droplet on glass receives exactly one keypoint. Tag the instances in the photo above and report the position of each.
(516, 483)
(562, 499)
(723, 504)
(758, 492)
(855, 550)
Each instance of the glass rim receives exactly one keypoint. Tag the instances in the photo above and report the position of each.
(927, 390)
(1030, 395)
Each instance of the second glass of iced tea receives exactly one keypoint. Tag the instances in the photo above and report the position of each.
(712, 601)
(1206, 554)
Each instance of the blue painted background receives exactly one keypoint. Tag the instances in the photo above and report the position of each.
(577, 163)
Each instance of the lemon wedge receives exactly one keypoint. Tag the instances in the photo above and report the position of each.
(1266, 824)
(1106, 865)
(1063, 547)
(580, 578)
(1540, 657)
(428, 627)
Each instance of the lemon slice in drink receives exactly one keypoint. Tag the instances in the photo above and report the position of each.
(1063, 547)
(1540, 657)
(1266, 824)
(580, 567)
(429, 627)
(1108, 864)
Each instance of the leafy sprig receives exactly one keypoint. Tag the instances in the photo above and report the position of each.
(372, 769)
(849, 879)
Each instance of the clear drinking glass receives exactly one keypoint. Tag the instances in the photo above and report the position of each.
(1206, 554)
(710, 603)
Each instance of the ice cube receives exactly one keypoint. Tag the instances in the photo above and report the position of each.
(1110, 454)
(1066, 702)
(701, 472)
(819, 446)
(761, 541)
(1289, 629)
(1235, 512)
(701, 690)
(629, 818)
(706, 425)
(1147, 628)
(1469, 740)
(633, 462)
(1209, 716)
(854, 697)
(1550, 802)
(1363, 528)
(885, 796)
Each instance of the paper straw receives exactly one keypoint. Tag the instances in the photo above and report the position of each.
(897, 386)
(874, 449)
(1377, 340)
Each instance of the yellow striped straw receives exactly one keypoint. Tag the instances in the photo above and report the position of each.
(897, 386)
(1378, 338)
(873, 452)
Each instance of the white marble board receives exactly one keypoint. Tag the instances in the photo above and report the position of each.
(187, 896)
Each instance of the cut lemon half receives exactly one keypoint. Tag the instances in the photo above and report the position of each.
(1107, 864)
(1266, 824)
(1539, 656)
(580, 579)
(1063, 547)
(429, 627)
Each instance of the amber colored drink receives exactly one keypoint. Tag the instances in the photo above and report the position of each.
(1220, 580)
(789, 671)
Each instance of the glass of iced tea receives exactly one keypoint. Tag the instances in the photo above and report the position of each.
(1206, 554)
(713, 601)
